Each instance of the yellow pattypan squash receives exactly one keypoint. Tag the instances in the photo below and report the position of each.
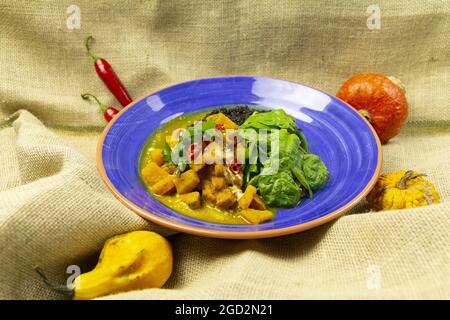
(131, 261)
(402, 189)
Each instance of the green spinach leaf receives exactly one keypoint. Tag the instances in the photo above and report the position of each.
(275, 119)
(315, 171)
(278, 190)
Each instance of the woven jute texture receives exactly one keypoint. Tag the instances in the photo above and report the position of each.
(55, 211)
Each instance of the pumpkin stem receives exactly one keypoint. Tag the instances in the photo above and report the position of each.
(366, 114)
(409, 175)
(58, 288)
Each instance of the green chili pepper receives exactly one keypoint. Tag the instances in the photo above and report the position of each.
(167, 153)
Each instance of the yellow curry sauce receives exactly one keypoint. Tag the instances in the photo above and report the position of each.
(206, 212)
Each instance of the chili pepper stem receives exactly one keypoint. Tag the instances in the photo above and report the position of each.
(93, 55)
(61, 289)
(102, 106)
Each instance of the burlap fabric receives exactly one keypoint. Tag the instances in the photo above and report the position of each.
(55, 211)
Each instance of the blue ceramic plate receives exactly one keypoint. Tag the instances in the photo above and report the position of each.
(337, 133)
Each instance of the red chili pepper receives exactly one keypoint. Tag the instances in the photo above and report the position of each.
(109, 77)
(109, 112)
(194, 150)
(235, 167)
(219, 126)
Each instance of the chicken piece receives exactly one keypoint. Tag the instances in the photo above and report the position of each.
(164, 186)
(257, 203)
(247, 197)
(187, 182)
(256, 216)
(219, 170)
(208, 192)
(218, 183)
(151, 173)
(157, 156)
(225, 199)
(169, 168)
(192, 199)
(197, 166)
(233, 179)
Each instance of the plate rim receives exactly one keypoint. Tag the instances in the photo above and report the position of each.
(211, 233)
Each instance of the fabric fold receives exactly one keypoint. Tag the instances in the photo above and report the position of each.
(56, 210)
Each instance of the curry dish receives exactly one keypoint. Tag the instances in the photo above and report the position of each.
(223, 166)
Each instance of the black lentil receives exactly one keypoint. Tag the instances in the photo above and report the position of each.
(238, 113)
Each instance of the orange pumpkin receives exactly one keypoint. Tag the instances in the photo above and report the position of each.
(380, 99)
